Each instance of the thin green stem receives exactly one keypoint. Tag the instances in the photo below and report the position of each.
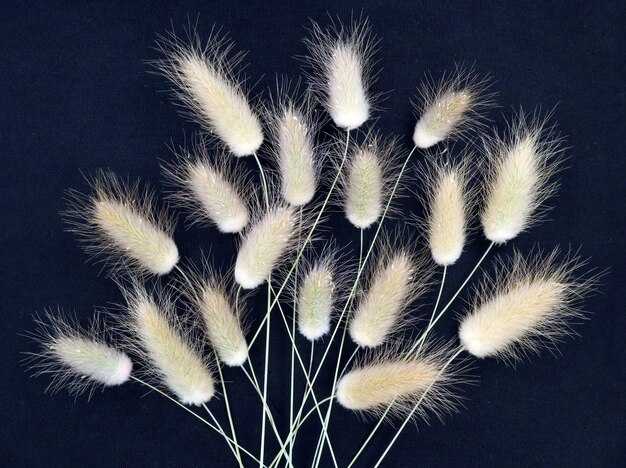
(193, 413)
(227, 403)
(416, 407)
(266, 367)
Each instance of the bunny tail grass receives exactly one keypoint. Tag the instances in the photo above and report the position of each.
(399, 277)
(390, 384)
(448, 201)
(157, 334)
(264, 244)
(315, 300)
(518, 181)
(530, 303)
(207, 83)
(451, 107)
(209, 298)
(119, 220)
(295, 152)
(77, 358)
(210, 187)
(340, 58)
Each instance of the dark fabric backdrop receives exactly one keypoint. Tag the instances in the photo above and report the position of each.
(76, 96)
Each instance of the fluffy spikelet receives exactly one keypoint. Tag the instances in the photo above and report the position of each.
(207, 83)
(530, 303)
(389, 379)
(518, 181)
(316, 301)
(210, 188)
(450, 107)
(448, 202)
(264, 244)
(158, 335)
(209, 298)
(398, 279)
(77, 358)
(340, 57)
(295, 153)
(364, 188)
(119, 220)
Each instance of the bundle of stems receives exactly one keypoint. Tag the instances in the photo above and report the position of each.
(176, 338)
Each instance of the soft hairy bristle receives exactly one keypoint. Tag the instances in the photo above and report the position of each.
(158, 335)
(119, 220)
(390, 382)
(264, 244)
(529, 303)
(77, 358)
(450, 107)
(209, 298)
(363, 187)
(211, 188)
(295, 153)
(448, 203)
(316, 301)
(397, 280)
(340, 58)
(518, 180)
(207, 84)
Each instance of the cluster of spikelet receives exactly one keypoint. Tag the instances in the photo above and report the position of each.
(501, 184)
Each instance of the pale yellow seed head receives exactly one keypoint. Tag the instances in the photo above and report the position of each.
(442, 117)
(446, 221)
(315, 302)
(364, 188)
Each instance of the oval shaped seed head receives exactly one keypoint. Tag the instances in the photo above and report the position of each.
(451, 107)
(397, 280)
(264, 244)
(209, 298)
(157, 334)
(316, 301)
(392, 384)
(340, 57)
(295, 153)
(530, 303)
(206, 82)
(210, 188)
(76, 358)
(448, 202)
(363, 186)
(119, 221)
(518, 180)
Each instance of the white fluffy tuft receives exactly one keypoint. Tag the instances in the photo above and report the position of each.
(264, 244)
(207, 84)
(521, 166)
(157, 334)
(119, 220)
(77, 358)
(528, 304)
(316, 301)
(210, 188)
(340, 58)
(363, 187)
(450, 107)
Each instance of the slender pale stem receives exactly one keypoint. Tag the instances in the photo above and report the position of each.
(308, 237)
(216, 428)
(422, 338)
(416, 407)
(293, 348)
(227, 403)
(337, 366)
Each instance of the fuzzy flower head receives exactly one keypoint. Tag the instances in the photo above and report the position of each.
(451, 107)
(80, 359)
(206, 82)
(530, 303)
(210, 188)
(341, 61)
(157, 334)
(518, 181)
(119, 221)
(295, 151)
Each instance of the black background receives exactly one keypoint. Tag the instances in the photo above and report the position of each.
(76, 97)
